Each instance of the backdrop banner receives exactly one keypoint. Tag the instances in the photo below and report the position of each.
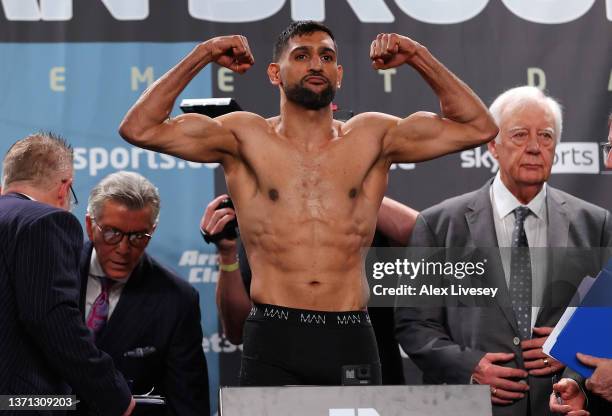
(75, 67)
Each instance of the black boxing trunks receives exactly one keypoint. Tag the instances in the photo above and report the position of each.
(285, 346)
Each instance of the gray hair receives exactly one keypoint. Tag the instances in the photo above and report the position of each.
(126, 188)
(37, 159)
(522, 95)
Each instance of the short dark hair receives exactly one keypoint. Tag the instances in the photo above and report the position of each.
(298, 28)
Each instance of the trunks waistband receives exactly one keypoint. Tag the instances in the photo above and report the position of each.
(274, 313)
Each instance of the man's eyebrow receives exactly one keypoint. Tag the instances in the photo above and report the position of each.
(302, 49)
(326, 49)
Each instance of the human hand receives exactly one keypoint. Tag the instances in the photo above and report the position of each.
(390, 50)
(213, 221)
(232, 52)
(600, 382)
(572, 398)
(504, 390)
(536, 362)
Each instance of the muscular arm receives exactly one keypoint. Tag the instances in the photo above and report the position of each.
(465, 121)
(396, 221)
(233, 302)
(189, 136)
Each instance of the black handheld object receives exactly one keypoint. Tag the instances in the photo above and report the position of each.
(229, 232)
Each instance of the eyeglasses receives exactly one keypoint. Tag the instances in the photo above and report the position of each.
(605, 149)
(74, 201)
(113, 236)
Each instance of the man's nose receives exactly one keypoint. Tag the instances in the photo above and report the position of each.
(315, 63)
(124, 245)
(533, 144)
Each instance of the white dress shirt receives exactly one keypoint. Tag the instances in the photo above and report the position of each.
(536, 227)
(94, 287)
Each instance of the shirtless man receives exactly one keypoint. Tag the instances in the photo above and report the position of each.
(307, 188)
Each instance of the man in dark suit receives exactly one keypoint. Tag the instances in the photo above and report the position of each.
(501, 345)
(573, 389)
(141, 314)
(45, 347)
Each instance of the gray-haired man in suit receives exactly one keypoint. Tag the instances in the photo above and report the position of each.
(499, 345)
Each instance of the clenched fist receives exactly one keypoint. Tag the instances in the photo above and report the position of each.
(389, 50)
(232, 52)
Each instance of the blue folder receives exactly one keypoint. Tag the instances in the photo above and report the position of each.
(589, 330)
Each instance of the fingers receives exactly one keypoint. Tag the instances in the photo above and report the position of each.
(547, 370)
(543, 330)
(533, 343)
(510, 386)
(556, 407)
(383, 48)
(499, 356)
(535, 354)
(210, 209)
(589, 359)
(218, 220)
(233, 52)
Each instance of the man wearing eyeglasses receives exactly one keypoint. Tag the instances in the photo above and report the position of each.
(142, 314)
(45, 348)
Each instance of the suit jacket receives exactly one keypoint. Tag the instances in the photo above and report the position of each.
(448, 342)
(45, 346)
(157, 309)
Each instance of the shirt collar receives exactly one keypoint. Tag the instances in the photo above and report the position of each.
(506, 202)
(26, 195)
(95, 269)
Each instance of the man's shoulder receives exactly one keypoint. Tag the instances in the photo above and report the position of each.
(575, 204)
(455, 205)
(170, 280)
(30, 212)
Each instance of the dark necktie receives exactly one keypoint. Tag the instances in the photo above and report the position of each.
(98, 314)
(520, 274)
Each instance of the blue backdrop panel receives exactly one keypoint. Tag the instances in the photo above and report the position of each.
(82, 91)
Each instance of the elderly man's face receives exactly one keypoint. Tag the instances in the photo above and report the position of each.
(527, 147)
(119, 259)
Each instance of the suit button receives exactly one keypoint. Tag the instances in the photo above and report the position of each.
(516, 341)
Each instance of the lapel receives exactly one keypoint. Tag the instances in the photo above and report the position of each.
(558, 218)
(131, 313)
(557, 234)
(479, 217)
(84, 275)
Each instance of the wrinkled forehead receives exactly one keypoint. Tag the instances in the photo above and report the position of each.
(528, 111)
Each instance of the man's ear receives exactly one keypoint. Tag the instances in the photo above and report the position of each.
(63, 194)
(492, 146)
(340, 75)
(274, 73)
(89, 227)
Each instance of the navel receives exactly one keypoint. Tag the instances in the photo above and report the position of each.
(273, 194)
(352, 193)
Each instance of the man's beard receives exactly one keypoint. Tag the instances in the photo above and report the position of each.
(309, 99)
